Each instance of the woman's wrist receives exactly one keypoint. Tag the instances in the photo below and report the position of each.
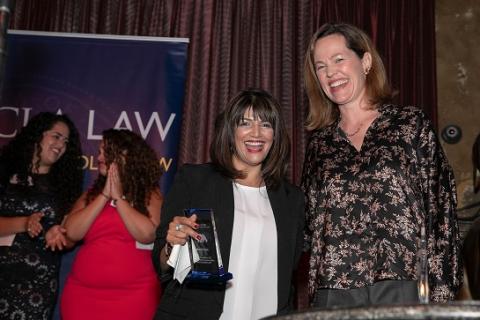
(25, 223)
(115, 200)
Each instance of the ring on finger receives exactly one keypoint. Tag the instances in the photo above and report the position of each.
(178, 227)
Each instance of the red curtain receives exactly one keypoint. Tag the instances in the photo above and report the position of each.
(249, 43)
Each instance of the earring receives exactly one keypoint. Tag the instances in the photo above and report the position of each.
(366, 71)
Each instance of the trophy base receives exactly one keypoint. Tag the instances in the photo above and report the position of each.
(207, 278)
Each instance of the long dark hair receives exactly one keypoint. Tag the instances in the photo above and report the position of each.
(138, 166)
(65, 175)
(476, 164)
(222, 148)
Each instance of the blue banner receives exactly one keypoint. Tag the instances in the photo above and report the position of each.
(101, 82)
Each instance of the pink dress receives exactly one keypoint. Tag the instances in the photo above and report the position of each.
(110, 278)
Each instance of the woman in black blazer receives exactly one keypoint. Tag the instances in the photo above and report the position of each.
(259, 217)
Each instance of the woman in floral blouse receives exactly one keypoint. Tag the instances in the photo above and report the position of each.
(375, 178)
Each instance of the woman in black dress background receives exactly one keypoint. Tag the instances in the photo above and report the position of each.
(40, 178)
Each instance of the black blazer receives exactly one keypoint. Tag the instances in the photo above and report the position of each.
(201, 186)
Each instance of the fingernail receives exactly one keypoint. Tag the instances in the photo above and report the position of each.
(195, 226)
(198, 237)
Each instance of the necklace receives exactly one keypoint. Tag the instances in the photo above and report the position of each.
(354, 132)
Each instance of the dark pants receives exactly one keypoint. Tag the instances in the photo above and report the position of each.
(381, 293)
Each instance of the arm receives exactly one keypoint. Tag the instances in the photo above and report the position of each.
(311, 192)
(315, 203)
(141, 227)
(14, 225)
(81, 217)
(439, 198)
(172, 209)
(56, 238)
(300, 210)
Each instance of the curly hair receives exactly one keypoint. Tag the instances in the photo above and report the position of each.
(65, 176)
(138, 167)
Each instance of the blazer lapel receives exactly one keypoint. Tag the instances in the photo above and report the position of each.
(276, 198)
(223, 195)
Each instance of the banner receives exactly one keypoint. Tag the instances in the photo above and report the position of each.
(100, 82)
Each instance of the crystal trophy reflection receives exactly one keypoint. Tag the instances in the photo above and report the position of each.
(423, 287)
(208, 268)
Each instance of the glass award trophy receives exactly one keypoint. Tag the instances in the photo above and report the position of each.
(422, 269)
(205, 257)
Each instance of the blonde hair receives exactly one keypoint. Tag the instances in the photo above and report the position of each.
(322, 111)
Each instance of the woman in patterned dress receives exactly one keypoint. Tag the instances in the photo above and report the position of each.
(375, 179)
(40, 178)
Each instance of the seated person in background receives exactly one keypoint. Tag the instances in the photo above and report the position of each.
(471, 260)
(40, 178)
(476, 164)
(471, 244)
(112, 276)
(258, 215)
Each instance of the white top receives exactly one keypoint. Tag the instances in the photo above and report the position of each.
(252, 293)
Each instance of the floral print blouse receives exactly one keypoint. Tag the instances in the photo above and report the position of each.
(365, 209)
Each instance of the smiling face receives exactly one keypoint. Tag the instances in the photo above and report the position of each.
(340, 71)
(53, 146)
(253, 140)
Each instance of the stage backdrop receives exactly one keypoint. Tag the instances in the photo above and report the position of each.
(101, 82)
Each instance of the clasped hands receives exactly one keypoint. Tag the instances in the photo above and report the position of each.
(55, 237)
(113, 186)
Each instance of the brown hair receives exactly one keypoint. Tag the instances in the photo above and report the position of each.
(322, 110)
(65, 175)
(138, 166)
(264, 107)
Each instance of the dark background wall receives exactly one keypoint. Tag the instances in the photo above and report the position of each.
(235, 44)
(239, 43)
(458, 71)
